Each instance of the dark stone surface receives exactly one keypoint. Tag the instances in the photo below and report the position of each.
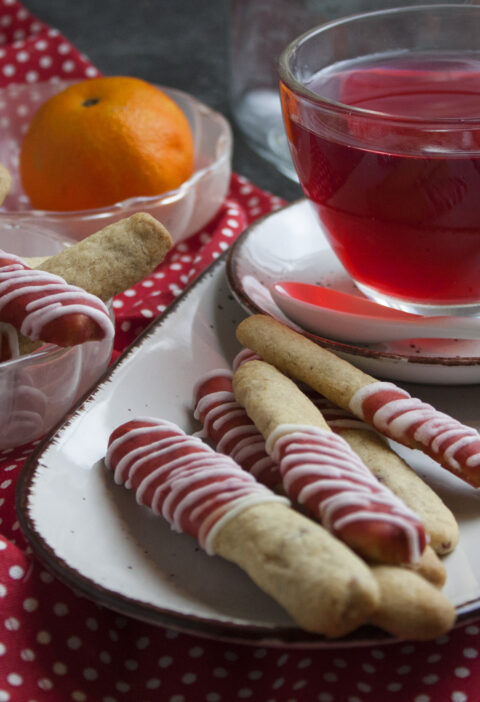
(178, 43)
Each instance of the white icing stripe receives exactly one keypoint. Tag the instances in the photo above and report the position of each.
(243, 356)
(56, 298)
(357, 400)
(331, 477)
(217, 409)
(411, 422)
(201, 486)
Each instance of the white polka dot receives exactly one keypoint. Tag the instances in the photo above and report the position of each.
(299, 685)
(12, 624)
(363, 687)
(189, 678)
(434, 658)
(8, 70)
(196, 652)
(30, 604)
(130, 664)
(142, 643)
(78, 696)
(129, 293)
(330, 677)
(458, 696)
(278, 683)
(394, 687)
(430, 679)
(27, 654)
(421, 698)
(74, 643)
(325, 697)
(244, 693)
(165, 661)
(45, 61)
(404, 669)
(16, 572)
(470, 652)
(105, 657)
(15, 679)
(44, 637)
(219, 673)
(60, 609)
(462, 672)
(153, 684)
(283, 659)
(472, 629)
(31, 76)
(255, 675)
(304, 663)
(4, 696)
(3, 590)
(59, 668)
(212, 697)
(45, 684)
(122, 686)
(146, 313)
(90, 674)
(46, 577)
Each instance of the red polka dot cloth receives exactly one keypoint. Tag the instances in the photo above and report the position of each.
(57, 647)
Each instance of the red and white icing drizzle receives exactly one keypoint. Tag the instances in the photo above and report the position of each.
(232, 431)
(226, 423)
(178, 476)
(320, 470)
(53, 299)
(408, 420)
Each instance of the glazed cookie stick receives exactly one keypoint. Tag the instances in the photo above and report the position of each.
(42, 306)
(324, 586)
(391, 410)
(226, 423)
(392, 471)
(322, 473)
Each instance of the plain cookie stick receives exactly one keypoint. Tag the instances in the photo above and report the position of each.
(114, 258)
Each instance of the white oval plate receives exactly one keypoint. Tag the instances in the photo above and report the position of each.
(94, 537)
(289, 244)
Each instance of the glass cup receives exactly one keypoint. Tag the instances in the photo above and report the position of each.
(383, 121)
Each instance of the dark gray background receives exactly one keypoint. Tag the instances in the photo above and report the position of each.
(178, 43)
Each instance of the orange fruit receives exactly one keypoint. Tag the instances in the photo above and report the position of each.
(103, 140)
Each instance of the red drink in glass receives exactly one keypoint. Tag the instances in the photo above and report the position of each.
(387, 147)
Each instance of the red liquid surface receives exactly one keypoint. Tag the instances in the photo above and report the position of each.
(403, 221)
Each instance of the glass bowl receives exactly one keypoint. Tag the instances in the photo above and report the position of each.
(182, 211)
(37, 389)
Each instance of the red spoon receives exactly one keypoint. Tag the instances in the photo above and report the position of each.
(345, 317)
